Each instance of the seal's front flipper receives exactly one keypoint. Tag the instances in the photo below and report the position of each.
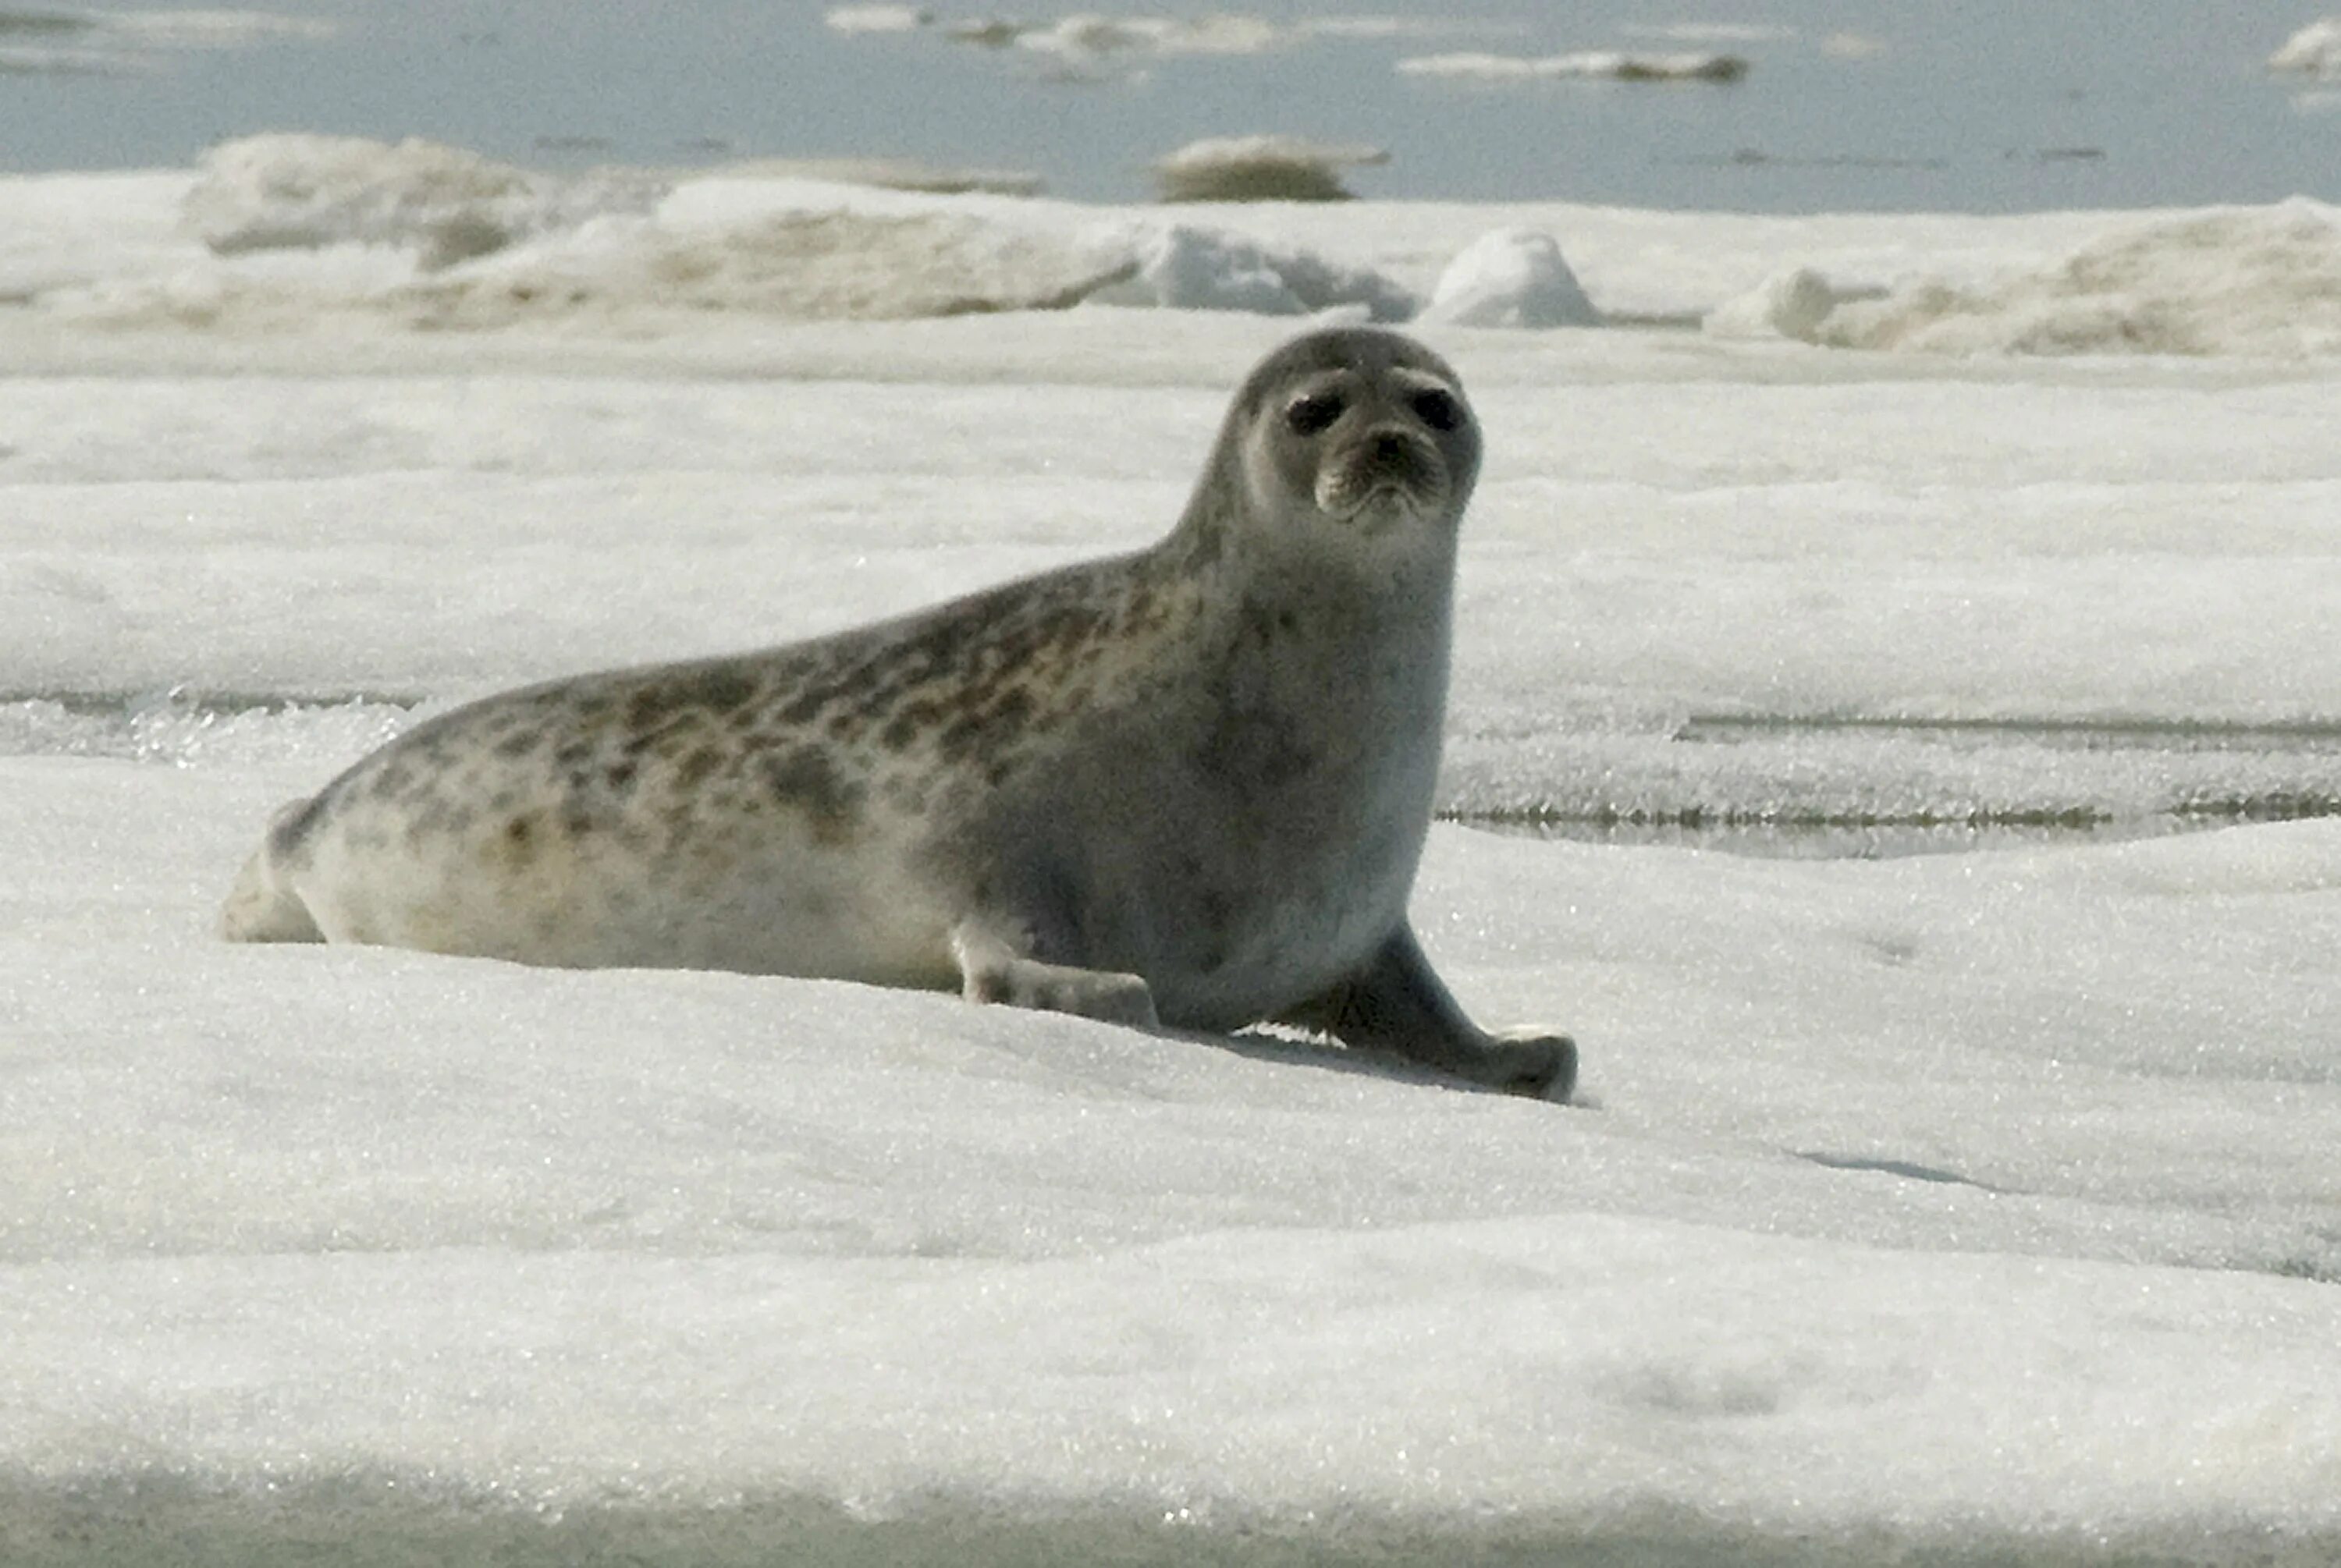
(1396, 1003)
(992, 970)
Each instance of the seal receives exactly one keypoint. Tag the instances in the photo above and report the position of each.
(1184, 787)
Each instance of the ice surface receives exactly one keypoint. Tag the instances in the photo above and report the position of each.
(1996, 1223)
(1510, 278)
(1967, 1209)
(2246, 281)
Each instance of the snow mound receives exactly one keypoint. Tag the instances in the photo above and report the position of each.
(1260, 169)
(1597, 64)
(297, 191)
(1790, 304)
(1179, 266)
(2262, 280)
(1510, 278)
(2314, 51)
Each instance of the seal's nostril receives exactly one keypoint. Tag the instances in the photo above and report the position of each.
(1389, 444)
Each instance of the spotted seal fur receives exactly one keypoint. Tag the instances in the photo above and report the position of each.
(1187, 785)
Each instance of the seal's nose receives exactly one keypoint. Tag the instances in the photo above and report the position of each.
(1389, 446)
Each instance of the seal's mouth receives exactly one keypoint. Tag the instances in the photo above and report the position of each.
(1383, 473)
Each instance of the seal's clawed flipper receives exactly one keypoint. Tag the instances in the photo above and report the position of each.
(992, 970)
(1396, 1003)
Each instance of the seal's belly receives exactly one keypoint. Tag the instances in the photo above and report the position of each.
(536, 889)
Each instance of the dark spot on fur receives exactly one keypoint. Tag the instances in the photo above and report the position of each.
(697, 766)
(1014, 708)
(573, 753)
(714, 688)
(808, 779)
(621, 776)
(393, 779)
(649, 706)
(519, 839)
(285, 836)
(959, 737)
(722, 688)
(517, 744)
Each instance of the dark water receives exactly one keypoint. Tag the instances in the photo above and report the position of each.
(1988, 106)
(2050, 781)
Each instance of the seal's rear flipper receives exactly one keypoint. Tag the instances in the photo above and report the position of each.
(257, 910)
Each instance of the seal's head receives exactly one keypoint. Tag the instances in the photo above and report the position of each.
(1355, 429)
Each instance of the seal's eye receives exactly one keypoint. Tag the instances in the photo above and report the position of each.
(1438, 410)
(1312, 414)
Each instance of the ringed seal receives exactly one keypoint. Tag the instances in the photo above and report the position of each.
(1187, 785)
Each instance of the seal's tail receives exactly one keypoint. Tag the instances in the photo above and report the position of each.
(259, 910)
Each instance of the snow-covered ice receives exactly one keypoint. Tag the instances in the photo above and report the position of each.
(1966, 1208)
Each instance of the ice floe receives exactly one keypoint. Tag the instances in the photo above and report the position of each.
(877, 18)
(1260, 169)
(72, 41)
(1601, 64)
(2314, 51)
